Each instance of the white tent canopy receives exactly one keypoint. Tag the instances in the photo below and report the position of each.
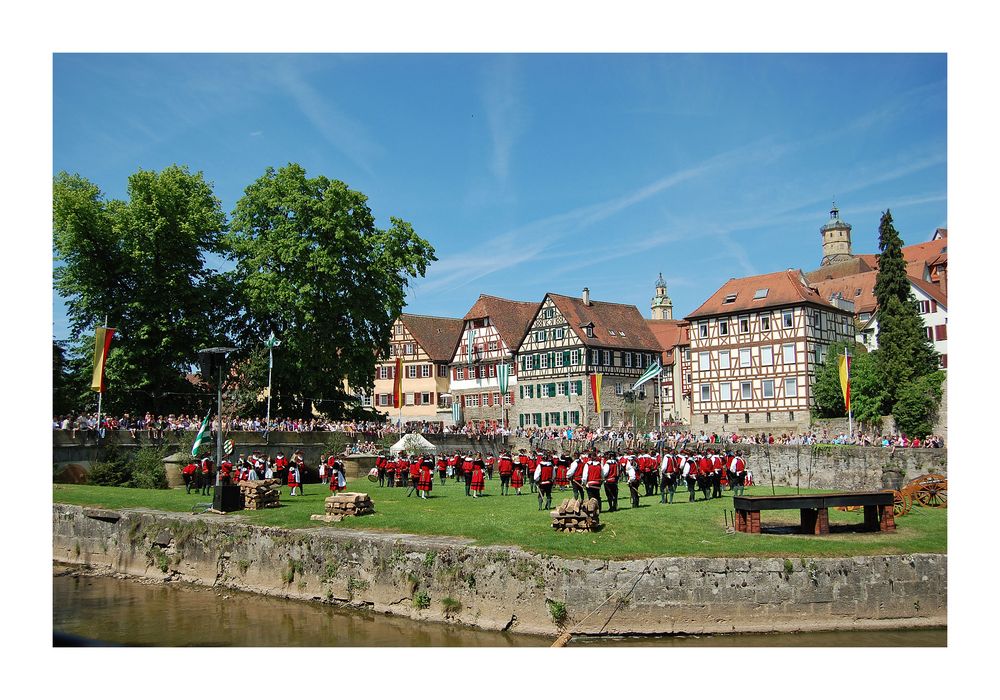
(413, 443)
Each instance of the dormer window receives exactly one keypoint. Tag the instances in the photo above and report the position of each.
(621, 333)
(857, 292)
(588, 330)
(729, 299)
(760, 293)
(611, 332)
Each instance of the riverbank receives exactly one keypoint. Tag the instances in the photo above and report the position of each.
(450, 579)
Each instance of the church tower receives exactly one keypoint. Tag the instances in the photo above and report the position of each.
(661, 306)
(836, 239)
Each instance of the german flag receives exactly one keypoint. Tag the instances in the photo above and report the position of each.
(102, 341)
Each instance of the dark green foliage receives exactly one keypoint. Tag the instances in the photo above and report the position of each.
(867, 390)
(904, 352)
(140, 263)
(826, 387)
(916, 406)
(307, 251)
(144, 469)
(422, 600)
(557, 610)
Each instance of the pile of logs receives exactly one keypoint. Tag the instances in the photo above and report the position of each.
(573, 515)
(260, 494)
(342, 505)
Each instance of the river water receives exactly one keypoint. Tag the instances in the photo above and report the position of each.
(127, 612)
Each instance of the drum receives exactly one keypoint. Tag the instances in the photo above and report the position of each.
(373, 474)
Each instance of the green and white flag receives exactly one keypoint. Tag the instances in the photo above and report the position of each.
(503, 373)
(271, 343)
(201, 435)
(653, 370)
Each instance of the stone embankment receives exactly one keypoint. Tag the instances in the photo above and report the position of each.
(448, 579)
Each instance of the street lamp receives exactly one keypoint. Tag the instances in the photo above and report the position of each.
(211, 359)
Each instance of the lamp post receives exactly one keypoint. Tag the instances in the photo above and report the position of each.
(210, 359)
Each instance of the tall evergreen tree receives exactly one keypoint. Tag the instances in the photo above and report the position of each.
(904, 351)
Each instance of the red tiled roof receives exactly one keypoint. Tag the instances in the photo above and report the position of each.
(511, 318)
(848, 286)
(606, 316)
(670, 333)
(436, 335)
(930, 289)
(783, 289)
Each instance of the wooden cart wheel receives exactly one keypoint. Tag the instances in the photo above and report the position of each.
(933, 492)
(901, 503)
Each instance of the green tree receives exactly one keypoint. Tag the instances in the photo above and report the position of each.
(916, 406)
(827, 393)
(313, 267)
(141, 263)
(867, 390)
(904, 351)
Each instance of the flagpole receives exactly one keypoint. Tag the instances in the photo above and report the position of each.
(100, 393)
(270, 366)
(850, 417)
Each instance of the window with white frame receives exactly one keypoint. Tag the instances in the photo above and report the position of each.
(595, 357)
(703, 329)
(788, 353)
(493, 371)
(723, 327)
(560, 388)
(746, 390)
(529, 361)
(686, 354)
(496, 399)
(765, 321)
(725, 391)
(703, 363)
(791, 387)
(706, 392)
(558, 333)
(767, 388)
(607, 358)
(744, 357)
(574, 357)
(572, 389)
(539, 336)
(559, 359)
(628, 359)
(472, 400)
(543, 361)
(383, 372)
(787, 319)
(744, 324)
(425, 370)
(411, 371)
(460, 373)
(619, 389)
(766, 355)
(409, 348)
(409, 398)
(383, 399)
(724, 359)
(508, 398)
(425, 398)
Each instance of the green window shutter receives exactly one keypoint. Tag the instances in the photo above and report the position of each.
(566, 358)
(546, 419)
(552, 389)
(521, 390)
(538, 361)
(552, 359)
(538, 390)
(579, 387)
(521, 419)
(564, 418)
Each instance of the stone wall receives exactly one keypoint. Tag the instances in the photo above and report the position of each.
(506, 587)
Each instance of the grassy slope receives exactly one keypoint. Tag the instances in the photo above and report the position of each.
(678, 529)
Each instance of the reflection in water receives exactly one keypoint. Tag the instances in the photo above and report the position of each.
(136, 614)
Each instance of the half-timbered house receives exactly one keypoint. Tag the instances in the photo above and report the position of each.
(755, 347)
(675, 391)
(425, 344)
(571, 339)
(491, 332)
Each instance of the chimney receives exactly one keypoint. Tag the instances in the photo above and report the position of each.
(586, 296)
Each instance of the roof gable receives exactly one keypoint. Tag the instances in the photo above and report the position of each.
(511, 318)
(630, 329)
(437, 336)
(744, 294)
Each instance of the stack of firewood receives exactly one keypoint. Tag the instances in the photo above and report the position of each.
(573, 515)
(260, 494)
(343, 505)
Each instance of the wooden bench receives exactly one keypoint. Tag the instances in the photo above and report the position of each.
(814, 510)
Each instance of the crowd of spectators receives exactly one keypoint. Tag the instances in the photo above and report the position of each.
(569, 437)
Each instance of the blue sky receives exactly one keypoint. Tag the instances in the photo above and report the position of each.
(532, 173)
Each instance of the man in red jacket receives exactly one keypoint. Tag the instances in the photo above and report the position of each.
(505, 466)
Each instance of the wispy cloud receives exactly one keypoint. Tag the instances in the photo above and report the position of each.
(347, 135)
(256, 133)
(505, 114)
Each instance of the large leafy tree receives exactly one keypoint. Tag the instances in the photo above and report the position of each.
(313, 268)
(904, 352)
(827, 393)
(141, 263)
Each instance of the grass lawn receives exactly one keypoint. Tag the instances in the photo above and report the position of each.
(678, 529)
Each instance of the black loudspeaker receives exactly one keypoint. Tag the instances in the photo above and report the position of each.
(209, 365)
(227, 498)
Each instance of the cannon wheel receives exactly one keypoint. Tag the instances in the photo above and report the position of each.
(901, 503)
(933, 491)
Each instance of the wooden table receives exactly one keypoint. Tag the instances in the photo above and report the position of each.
(814, 510)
